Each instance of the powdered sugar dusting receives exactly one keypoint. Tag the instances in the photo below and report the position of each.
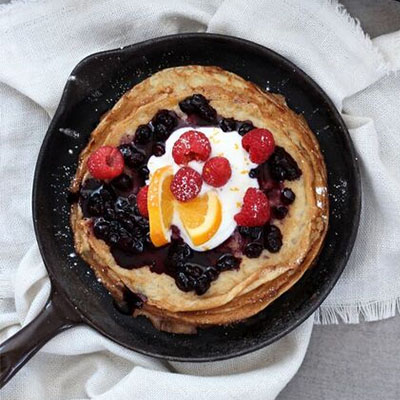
(186, 184)
(70, 132)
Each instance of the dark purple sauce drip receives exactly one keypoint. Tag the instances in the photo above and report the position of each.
(130, 302)
(116, 219)
(157, 258)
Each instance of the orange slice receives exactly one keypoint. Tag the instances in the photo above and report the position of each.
(201, 217)
(160, 203)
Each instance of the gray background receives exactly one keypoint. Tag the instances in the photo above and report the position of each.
(346, 362)
(360, 362)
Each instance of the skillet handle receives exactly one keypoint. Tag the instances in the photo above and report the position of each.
(56, 316)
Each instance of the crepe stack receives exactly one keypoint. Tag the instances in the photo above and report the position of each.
(236, 294)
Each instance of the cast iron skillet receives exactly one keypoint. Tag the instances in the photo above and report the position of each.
(77, 297)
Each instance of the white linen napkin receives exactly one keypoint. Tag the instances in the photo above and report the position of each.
(42, 41)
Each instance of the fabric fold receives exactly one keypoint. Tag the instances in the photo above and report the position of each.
(42, 41)
(389, 46)
(369, 288)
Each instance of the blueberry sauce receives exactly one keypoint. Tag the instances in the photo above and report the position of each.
(116, 218)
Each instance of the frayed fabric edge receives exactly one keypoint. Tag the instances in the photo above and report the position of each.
(381, 64)
(356, 313)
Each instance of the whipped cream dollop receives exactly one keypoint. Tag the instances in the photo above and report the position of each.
(223, 144)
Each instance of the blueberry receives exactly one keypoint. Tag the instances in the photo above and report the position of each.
(198, 104)
(132, 156)
(122, 217)
(199, 100)
(120, 237)
(144, 171)
(101, 228)
(190, 276)
(142, 134)
(137, 247)
(272, 238)
(89, 187)
(256, 232)
(161, 132)
(125, 217)
(125, 243)
(283, 166)
(126, 150)
(254, 173)
(138, 158)
(212, 273)
(253, 250)
(158, 149)
(121, 230)
(191, 104)
(183, 282)
(143, 223)
(106, 193)
(244, 230)
(245, 127)
(251, 232)
(147, 241)
(122, 182)
(115, 225)
(178, 253)
(187, 106)
(127, 223)
(185, 250)
(279, 212)
(113, 238)
(227, 261)
(167, 118)
(287, 196)
(207, 113)
(122, 204)
(137, 233)
(227, 124)
(136, 210)
(95, 205)
(192, 270)
(132, 199)
(202, 285)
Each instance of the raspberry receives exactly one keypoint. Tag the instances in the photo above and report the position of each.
(217, 171)
(260, 144)
(192, 145)
(186, 184)
(106, 163)
(141, 201)
(255, 210)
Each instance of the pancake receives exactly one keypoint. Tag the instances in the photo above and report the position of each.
(236, 294)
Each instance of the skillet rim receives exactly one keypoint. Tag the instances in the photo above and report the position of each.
(309, 306)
